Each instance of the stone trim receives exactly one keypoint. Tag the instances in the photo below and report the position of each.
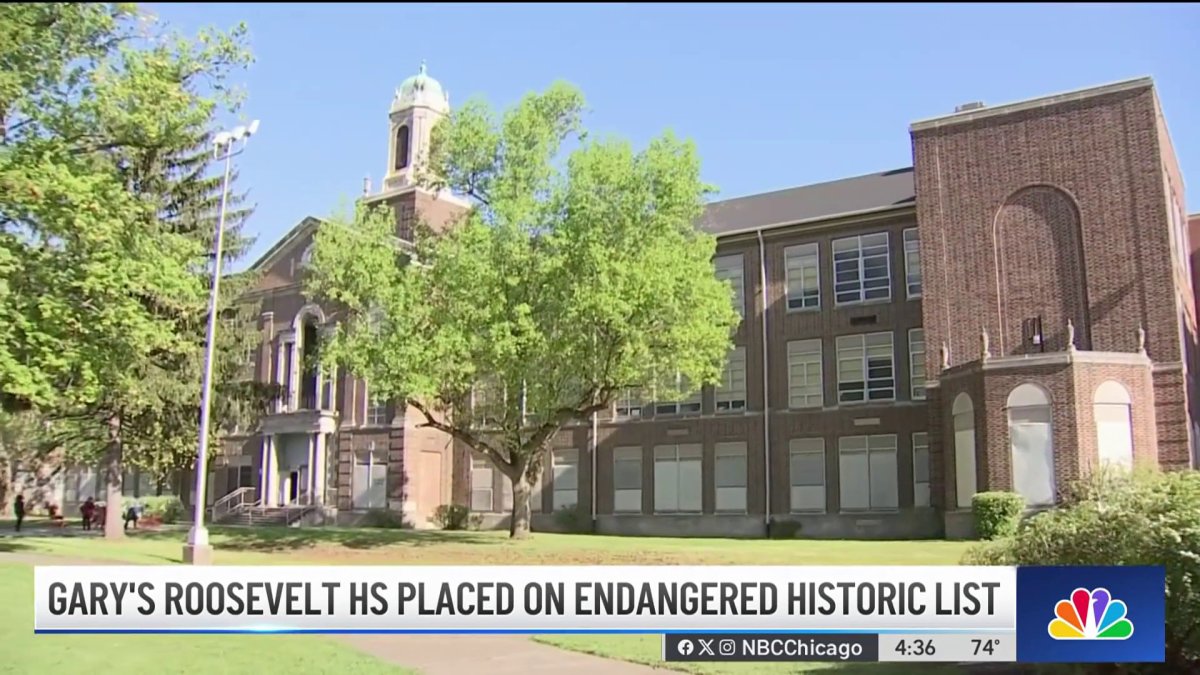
(1030, 104)
(1056, 358)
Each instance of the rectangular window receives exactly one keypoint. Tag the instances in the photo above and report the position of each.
(481, 485)
(729, 268)
(807, 463)
(730, 395)
(566, 478)
(920, 445)
(627, 480)
(629, 403)
(805, 386)
(861, 269)
(802, 273)
(912, 262)
(487, 403)
(377, 413)
(369, 490)
(916, 363)
(731, 477)
(677, 479)
(865, 368)
(689, 405)
(867, 468)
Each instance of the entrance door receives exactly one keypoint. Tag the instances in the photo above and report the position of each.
(430, 482)
(293, 493)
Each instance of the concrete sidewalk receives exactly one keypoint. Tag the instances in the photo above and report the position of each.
(491, 654)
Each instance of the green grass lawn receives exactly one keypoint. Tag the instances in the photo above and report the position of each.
(25, 652)
(294, 546)
(249, 546)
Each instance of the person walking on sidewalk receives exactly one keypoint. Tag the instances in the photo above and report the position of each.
(19, 510)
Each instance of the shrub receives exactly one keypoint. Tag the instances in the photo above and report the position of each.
(571, 519)
(384, 519)
(456, 517)
(1146, 518)
(783, 529)
(167, 508)
(997, 514)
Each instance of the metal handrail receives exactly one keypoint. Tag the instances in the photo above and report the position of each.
(234, 501)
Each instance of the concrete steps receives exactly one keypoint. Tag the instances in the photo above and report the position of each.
(266, 516)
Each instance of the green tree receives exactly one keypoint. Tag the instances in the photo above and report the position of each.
(97, 288)
(563, 286)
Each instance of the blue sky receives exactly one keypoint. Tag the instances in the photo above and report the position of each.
(773, 95)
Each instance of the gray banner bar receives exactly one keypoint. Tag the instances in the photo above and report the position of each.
(770, 647)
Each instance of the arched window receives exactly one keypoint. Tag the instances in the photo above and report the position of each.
(1114, 426)
(1032, 443)
(964, 450)
(402, 147)
(306, 256)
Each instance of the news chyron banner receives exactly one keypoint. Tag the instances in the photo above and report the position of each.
(705, 613)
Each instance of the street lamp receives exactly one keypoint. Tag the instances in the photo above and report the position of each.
(197, 550)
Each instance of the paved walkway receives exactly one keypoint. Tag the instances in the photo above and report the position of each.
(439, 654)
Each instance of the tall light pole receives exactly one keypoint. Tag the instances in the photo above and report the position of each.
(197, 550)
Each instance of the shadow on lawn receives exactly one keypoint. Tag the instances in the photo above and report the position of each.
(13, 545)
(277, 539)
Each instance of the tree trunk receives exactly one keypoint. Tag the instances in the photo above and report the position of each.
(519, 528)
(114, 522)
(6, 474)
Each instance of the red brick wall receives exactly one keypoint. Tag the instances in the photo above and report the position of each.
(1058, 210)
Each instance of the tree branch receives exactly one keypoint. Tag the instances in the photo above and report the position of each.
(467, 437)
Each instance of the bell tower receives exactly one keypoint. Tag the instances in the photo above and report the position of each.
(419, 103)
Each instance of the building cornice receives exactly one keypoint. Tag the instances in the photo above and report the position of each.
(1029, 104)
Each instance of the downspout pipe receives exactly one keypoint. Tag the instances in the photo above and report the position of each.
(762, 290)
(593, 446)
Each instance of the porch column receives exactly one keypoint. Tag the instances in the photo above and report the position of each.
(294, 376)
(271, 442)
(310, 484)
(320, 471)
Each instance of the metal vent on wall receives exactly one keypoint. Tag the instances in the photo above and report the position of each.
(863, 320)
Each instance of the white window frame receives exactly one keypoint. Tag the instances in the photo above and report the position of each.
(912, 261)
(375, 458)
(806, 447)
(859, 289)
(857, 349)
(693, 403)
(877, 444)
(565, 494)
(629, 404)
(621, 494)
(916, 364)
(376, 414)
(730, 395)
(801, 374)
(481, 466)
(730, 493)
(677, 455)
(732, 268)
(798, 297)
(920, 443)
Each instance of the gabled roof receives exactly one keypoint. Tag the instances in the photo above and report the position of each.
(871, 192)
(302, 229)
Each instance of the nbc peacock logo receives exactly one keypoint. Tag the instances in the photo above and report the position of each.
(1090, 615)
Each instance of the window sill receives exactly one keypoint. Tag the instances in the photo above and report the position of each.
(803, 310)
(678, 513)
(870, 512)
(862, 303)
